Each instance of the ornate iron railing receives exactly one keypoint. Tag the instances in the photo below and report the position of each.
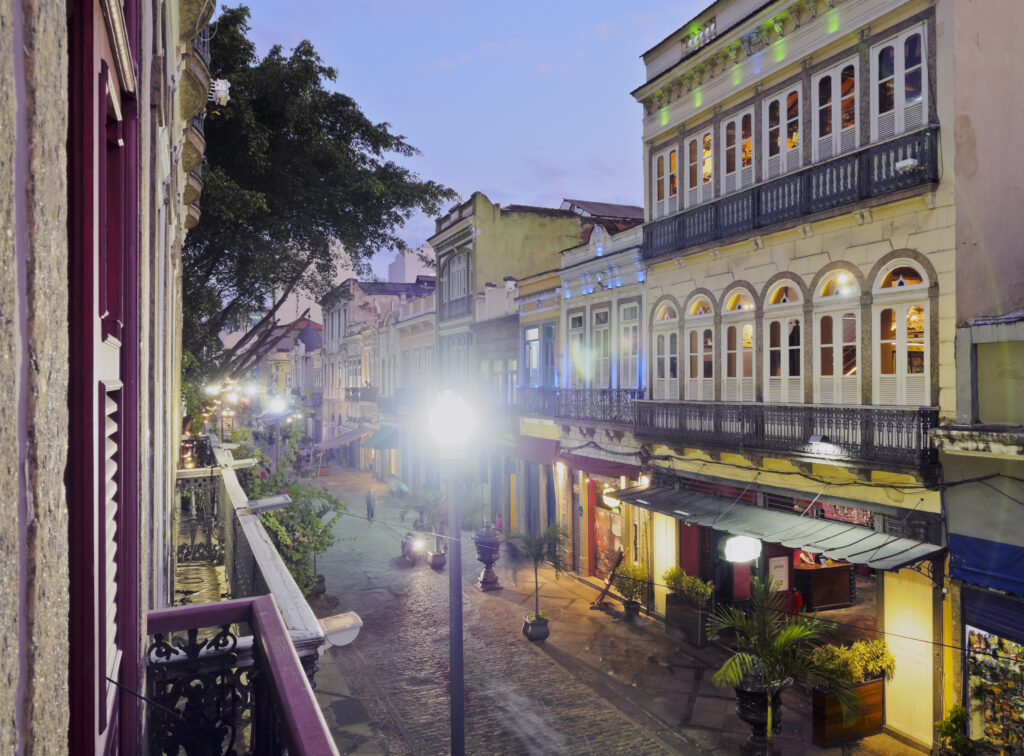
(456, 308)
(893, 435)
(361, 394)
(599, 405)
(201, 45)
(199, 123)
(214, 692)
(878, 169)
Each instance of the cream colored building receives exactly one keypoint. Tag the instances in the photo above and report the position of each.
(801, 270)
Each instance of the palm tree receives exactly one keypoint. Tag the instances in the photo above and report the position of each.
(772, 649)
(535, 549)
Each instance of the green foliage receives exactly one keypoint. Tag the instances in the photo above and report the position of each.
(863, 660)
(192, 391)
(300, 532)
(631, 581)
(771, 648)
(953, 731)
(697, 590)
(297, 182)
(535, 550)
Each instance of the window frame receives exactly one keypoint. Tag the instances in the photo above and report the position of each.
(842, 140)
(699, 387)
(742, 176)
(879, 130)
(664, 332)
(666, 182)
(784, 388)
(790, 158)
(901, 387)
(837, 307)
(703, 190)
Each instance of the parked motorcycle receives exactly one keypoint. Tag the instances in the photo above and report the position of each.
(412, 547)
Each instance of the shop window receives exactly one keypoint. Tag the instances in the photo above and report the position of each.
(899, 85)
(994, 667)
(782, 134)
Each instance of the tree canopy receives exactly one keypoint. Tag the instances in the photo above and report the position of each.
(296, 182)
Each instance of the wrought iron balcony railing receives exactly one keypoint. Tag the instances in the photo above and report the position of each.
(873, 171)
(201, 45)
(214, 691)
(599, 405)
(199, 122)
(456, 308)
(361, 394)
(888, 435)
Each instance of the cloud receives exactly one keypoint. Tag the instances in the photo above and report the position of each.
(463, 58)
(459, 60)
(600, 30)
(543, 68)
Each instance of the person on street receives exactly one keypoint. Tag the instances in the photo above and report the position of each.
(497, 523)
(369, 507)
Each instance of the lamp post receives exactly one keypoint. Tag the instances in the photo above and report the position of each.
(451, 423)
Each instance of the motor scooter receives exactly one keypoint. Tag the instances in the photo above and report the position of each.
(412, 547)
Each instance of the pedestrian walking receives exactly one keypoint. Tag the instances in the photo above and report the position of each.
(369, 506)
(497, 523)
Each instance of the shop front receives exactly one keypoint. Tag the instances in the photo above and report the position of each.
(993, 643)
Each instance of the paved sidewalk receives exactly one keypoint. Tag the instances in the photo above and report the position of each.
(653, 689)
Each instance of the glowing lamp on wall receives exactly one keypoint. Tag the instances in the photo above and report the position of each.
(742, 549)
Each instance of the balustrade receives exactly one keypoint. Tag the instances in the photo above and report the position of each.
(600, 405)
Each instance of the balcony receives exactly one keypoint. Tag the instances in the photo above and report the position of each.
(617, 406)
(213, 690)
(361, 394)
(861, 175)
(887, 436)
(201, 45)
(456, 308)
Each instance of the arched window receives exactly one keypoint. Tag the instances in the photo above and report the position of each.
(901, 344)
(666, 353)
(738, 340)
(782, 134)
(700, 185)
(629, 346)
(700, 351)
(837, 327)
(738, 156)
(784, 337)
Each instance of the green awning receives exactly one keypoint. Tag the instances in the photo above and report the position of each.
(385, 438)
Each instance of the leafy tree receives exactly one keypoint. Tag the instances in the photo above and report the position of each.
(296, 182)
(534, 550)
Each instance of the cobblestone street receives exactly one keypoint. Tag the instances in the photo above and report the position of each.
(597, 685)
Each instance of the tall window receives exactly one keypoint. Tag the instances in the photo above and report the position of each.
(901, 339)
(700, 186)
(547, 355)
(531, 356)
(666, 183)
(455, 287)
(835, 111)
(666, 353)
(837, 359)
(782, 134)
(629, 346)
(738, 153)
(700, 351)
(738, 335)
(784, 336)
(578, 363)
(899, 88)
(600, 347)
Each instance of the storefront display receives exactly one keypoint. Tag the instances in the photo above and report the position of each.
(607, 540)
(995, 665)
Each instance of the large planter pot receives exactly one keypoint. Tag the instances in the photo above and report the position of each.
(685, 621)
(827, 717)
(752, 708)
(630, 609)
(536, 629)
(437, 559)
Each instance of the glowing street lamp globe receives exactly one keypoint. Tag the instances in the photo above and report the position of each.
(742, 549)
(277, 405)
(451, 422)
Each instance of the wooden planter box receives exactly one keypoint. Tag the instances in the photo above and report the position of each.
(685, 621)
(827, 716)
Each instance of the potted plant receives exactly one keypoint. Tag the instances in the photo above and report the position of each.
(688, 606)
(770, 653)
(632, 585)
(953, 732)
(864, 665)
(535, 549)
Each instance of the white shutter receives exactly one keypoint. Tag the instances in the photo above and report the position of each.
(916, 390)
(693, 388)
(111, 499)
(913, 115)
(793, 390)
(888, 390)
(850, 394)
(707, 389)
(747, 390)
(774, 389)
(886, 125)
(774, 166)
(826, 390)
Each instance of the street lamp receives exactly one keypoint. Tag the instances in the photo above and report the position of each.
(451, 423)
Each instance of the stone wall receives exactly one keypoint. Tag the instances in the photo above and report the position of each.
(33, 371)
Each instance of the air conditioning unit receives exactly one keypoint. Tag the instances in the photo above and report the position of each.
(906, 165)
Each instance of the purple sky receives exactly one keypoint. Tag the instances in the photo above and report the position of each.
(525, 101)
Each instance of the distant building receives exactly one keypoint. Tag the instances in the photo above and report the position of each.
(407, 266)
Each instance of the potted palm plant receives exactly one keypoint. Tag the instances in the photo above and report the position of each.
(688, 606)
(534, 550)
(770, 653)
(864, 665)
(632, 584)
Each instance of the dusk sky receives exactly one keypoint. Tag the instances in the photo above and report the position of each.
(525, 101)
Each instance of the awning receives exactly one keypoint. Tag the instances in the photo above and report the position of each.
(835, 540)
(988, 563)
(541, 451)
(603, 467)
(385, 438)
(347, 436)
